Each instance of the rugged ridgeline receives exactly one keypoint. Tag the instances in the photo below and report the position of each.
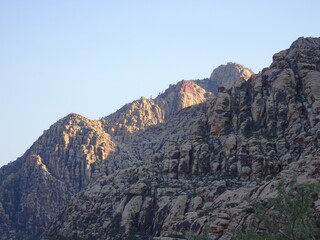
(145, 112)
(75, 150)
(197, 167)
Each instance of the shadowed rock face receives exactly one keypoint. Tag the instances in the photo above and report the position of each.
(161, 167)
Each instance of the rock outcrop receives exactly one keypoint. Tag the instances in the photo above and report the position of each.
(181, 95)
(227, 76)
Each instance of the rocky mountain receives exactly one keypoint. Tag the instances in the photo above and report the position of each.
(199, 166)
(74, 151)
(159, 168)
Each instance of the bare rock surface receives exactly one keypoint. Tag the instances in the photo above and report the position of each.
(227, 75)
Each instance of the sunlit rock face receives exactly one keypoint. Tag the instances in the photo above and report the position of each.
(227, 76)
(144, 112)
(35, 188)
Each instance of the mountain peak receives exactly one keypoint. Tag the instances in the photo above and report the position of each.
(306, 43)
(226, 75)
(184, 86)
(181, 95)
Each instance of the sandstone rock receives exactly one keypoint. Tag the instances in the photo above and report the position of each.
(130, 211)
(137, 189)
(227, 76)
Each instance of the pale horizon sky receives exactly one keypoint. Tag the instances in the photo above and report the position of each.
(92, 57)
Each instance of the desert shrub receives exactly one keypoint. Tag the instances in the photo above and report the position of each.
(203, 236)
(288, 216)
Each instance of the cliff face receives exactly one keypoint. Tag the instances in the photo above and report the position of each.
(199, 166)
(161, 167)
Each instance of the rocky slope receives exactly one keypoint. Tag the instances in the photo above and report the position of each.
(197, 168)
(74, 151)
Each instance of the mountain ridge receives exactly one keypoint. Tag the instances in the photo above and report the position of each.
(208, 158)
(73, 151)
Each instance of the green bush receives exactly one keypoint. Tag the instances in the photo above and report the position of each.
(290, 215)
(203, 236)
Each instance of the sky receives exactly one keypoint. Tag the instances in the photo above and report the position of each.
(92, 57)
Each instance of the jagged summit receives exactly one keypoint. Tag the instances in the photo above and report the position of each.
(306, 42)
(302, 54)
(181, 95)
(183, 86)
(73, 117)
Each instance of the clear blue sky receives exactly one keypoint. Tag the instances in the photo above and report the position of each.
(92, 57)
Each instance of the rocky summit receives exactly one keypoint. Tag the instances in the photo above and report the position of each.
(177, 164)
